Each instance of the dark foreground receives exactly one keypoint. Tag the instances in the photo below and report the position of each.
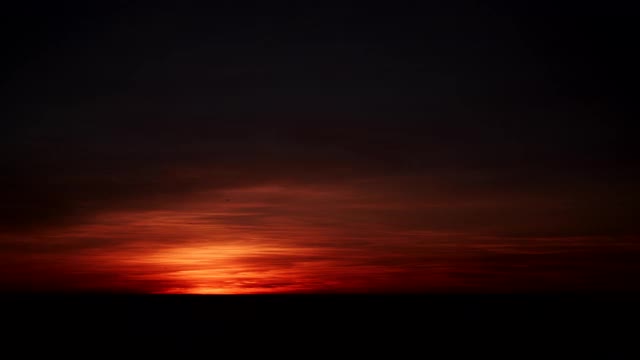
(605, 326)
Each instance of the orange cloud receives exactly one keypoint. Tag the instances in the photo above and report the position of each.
(303, 238)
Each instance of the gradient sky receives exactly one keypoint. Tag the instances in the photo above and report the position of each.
(229, 147)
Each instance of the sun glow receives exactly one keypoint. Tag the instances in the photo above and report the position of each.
(238, 268)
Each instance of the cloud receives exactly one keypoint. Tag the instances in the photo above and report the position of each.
(357, 236)
(141, 134)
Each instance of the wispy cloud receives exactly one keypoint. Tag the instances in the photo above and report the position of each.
(312, 238)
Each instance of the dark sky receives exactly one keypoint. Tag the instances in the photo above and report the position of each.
(233, 147)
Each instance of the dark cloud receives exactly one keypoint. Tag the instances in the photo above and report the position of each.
(499, 120)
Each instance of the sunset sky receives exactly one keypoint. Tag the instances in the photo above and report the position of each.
(237, 148)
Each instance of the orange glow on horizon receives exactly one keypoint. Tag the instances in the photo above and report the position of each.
(299, 239)
(221, 269)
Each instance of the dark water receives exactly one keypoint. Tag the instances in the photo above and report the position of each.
(602, 325)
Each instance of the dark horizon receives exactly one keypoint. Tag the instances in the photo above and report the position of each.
(253, 148)
(552, 326)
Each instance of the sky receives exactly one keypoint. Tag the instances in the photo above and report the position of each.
(248, 148)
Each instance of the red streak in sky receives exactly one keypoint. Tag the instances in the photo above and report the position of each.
(304, 239)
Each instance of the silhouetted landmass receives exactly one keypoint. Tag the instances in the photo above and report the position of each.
(534, 324)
